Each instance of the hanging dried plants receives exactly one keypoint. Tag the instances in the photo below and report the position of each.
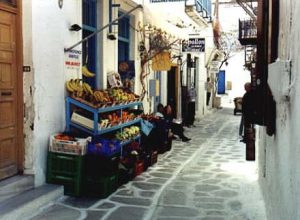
(152, 42)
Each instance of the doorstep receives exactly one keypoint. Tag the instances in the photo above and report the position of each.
(23, 205)
(14, 185)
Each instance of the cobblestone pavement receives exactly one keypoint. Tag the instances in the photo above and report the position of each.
(206, 179)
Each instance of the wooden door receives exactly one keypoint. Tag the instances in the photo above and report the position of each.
(8, 94)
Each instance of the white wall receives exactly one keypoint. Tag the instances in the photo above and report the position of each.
(46, 35)
(237, 75)
(49, 35)
(109, 48)
(229, 16)
(279, 155)
(201, 76)
(28, 86)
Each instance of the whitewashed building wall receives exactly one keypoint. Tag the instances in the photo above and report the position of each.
(45, 35)
(279, 155)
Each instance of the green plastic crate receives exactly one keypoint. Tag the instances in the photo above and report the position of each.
(67, 170)
(102, 187)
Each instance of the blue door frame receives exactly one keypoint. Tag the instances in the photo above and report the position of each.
(89, 48)
(221, 82)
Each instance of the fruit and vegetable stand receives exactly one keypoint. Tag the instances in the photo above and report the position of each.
(103, 127)
(97, 165)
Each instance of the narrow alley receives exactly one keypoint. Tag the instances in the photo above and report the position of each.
(206, 179)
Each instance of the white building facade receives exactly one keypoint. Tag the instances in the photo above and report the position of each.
(46, 33)
(279, 154)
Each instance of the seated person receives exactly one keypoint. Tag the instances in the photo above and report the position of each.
(176, 128)
(160, 111)
(161, 130)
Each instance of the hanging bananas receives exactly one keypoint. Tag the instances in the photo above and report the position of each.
(87, 88)
(72, 85)
(86, 72)
(69, 87)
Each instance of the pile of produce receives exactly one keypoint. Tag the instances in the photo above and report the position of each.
(128, 133)
(84, 91)
(115, 118)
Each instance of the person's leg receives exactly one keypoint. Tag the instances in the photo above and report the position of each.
(189, 117)
(193, 113)
(178, 130)
(207, 98)
(241, 126)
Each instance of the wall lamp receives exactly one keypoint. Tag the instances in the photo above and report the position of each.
(75, 27)
(179, 60)
(111, 36)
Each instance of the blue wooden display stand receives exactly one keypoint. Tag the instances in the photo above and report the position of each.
(96, 131)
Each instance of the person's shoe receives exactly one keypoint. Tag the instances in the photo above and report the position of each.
(243, 140)
(185, 139)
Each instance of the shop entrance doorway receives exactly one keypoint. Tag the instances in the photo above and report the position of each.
(172, 88)
(10, 91)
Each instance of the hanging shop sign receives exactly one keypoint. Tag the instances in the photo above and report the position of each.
(161, 62)
(193, 45)
(127, 73)
(214, 66)
(73, 63)
(114, 80)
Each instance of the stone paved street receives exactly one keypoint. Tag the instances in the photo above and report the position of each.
(206, 179)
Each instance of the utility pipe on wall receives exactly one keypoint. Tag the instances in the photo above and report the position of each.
(101, 29)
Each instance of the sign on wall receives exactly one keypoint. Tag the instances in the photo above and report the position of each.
(73, 63)
(193, 45)
(214, 66)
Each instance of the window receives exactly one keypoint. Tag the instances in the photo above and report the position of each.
(123, 38)
(89, 25)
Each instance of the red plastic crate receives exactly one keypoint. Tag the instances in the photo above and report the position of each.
(139, 168)
(154, 157)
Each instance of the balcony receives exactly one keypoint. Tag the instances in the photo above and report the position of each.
(247, 32)
(199, 11)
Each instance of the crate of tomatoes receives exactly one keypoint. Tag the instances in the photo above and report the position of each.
(63, 143)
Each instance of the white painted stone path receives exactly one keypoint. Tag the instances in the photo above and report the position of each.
(206, 179)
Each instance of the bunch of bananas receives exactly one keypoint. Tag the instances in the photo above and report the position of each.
(101, 96)
(86, 72)
(74, 85)
(120, 95)
(87, 88)
(78, 88)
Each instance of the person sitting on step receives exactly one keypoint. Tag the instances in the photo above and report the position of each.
(176, 128)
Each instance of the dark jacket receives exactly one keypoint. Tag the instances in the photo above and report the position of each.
(248, 108)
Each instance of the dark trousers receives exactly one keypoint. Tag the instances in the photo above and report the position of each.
(177, 129)
(192, 112)
(207, 98)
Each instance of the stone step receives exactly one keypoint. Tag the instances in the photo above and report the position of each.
(15, 185)
(25, 204)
